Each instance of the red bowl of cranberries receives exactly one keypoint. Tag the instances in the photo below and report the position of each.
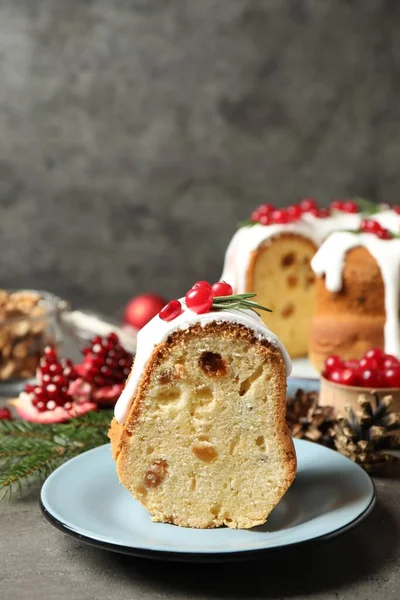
(342, 381)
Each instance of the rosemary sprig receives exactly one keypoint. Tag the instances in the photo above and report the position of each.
(246, 223)
(30, 451)
(367, 207)
(237, 301)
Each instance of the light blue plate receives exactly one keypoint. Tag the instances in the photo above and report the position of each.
(84, 499)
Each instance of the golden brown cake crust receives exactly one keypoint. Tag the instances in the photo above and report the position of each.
(351, 321)
(119, 434)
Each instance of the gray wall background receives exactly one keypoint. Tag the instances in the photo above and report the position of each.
(135, 134)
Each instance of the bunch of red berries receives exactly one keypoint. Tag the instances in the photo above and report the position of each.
(375, 370)
(267, 214)
(199, 299)
(371, 226)
(348, 206)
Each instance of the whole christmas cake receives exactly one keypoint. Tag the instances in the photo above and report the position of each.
(199, 435)
(271, 256)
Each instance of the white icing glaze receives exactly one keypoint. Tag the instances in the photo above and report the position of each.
(248, 239)
(157, 331)
(330, 259)
(389, 219)
(337, 221)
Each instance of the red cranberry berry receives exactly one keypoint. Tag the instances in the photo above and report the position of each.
(333, 362)
(369, 363)
(308, 204)
(266, 219)
(221, 288)
(371, 378)
(337, 204)
(171, 310)
(199, 300)
(390, 361)
(294, 212)
(376, 353)
(350, 207)
(201, 284)
(370, 226)
(281, 216)
(255, 216)
(391, 377)
(266, 209)
(5, 414)
(343, 376)
(384, 234)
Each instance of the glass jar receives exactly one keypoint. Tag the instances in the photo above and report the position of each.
(29, 321)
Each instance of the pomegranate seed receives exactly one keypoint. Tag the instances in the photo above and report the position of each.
(280, 217)
(50, 352)
(45, 368)
(350, 207)
(41, 406)
(397, 209)
(221, 288)
(307, 204)
(323, 213)
(51, 405)
(5, 414)
(391, 377)
(295, 211)
(171, 310)
(333, 362)
(46, 378)
(68, 405)
(371, 378)
(337, 205)
(113, 338)
(97, 348)
(265, 219)
(199, 300)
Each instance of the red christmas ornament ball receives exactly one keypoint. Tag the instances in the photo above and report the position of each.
(141, 309)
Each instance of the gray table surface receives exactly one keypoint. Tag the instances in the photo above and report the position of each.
(39, 562)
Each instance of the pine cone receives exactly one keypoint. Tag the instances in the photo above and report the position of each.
(363, 436)
(309, 421)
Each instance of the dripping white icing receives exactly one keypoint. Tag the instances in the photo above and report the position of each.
(330, 259)
(157, 331)
(248, 239)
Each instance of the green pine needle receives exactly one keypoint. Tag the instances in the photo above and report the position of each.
(31, 451)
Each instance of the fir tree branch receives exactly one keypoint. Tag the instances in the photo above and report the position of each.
(31, 451)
